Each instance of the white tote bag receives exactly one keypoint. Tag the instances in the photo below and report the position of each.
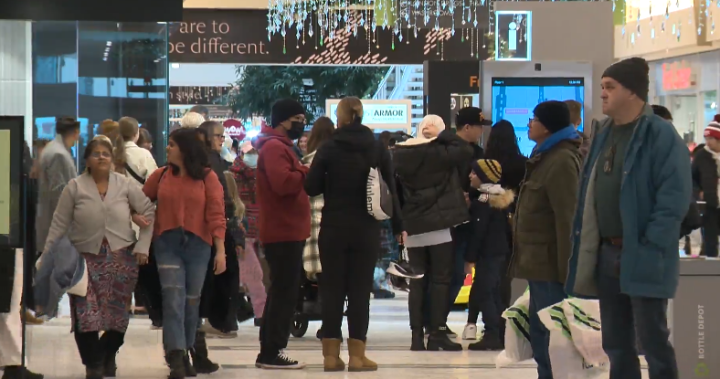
(566, 360)
(583, 318)
(517, 333)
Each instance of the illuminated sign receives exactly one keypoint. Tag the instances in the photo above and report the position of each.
(513, 35)
(379, 114)
(677, 76)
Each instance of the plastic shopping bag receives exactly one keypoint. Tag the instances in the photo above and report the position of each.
(583, 318)
(566, 360)
(517, 333)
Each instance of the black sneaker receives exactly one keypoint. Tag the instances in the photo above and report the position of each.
(445, 329)
(279, 362)
(403, 270)
(18, 372)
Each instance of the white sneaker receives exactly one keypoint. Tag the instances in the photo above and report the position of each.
(470, 332)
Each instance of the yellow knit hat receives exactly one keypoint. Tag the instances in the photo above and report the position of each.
(488, 170)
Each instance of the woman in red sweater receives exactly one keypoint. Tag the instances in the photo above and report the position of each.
(190, 217)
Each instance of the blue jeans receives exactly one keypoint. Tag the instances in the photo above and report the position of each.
(621, 315)
(182, 259)
(542, 295)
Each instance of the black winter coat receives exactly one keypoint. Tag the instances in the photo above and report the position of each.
(705, 178)
(339, 172)
(430, 177)
(490, 226)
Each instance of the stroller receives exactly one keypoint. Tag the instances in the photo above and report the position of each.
(308, 308)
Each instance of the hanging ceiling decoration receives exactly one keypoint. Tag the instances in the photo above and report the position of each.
(322, 20)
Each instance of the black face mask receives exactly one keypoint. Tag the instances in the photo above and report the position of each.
(296, 130)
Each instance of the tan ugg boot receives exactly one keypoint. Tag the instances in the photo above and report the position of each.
(331, 355)
(358, 360)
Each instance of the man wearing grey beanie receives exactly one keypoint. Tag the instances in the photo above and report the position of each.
(634, 193)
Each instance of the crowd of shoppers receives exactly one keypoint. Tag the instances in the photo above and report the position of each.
(594, 213)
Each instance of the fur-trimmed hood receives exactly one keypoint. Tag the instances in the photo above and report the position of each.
(497, 197)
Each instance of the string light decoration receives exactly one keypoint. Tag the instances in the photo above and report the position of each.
(671, 25)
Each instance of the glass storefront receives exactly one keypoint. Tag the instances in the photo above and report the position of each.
(688, 86)
(95, 71)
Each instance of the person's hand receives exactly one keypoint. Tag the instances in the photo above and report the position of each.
(467, 199)
(220, 264)
(142, 259)
(401, 238)
(701, 196)
(469, 268)
(140, 220)
(241, 226)
(474, 180)
(240, 252)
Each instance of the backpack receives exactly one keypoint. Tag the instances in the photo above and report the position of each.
(379, 197)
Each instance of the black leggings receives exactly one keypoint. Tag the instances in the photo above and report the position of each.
(348, 257)
(93, 348)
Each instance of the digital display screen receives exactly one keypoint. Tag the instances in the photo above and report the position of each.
(513, 35)
(513, 99)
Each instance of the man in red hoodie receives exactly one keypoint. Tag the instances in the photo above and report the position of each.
(284, 225)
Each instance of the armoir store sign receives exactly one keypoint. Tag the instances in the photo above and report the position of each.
(379, 114)
(240, 36)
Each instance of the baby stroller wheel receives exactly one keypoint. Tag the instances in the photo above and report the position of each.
(300, 325)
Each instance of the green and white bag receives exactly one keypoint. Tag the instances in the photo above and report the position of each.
(517, 333)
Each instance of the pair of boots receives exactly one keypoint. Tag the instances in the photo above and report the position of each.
(437, 341)
(356, 350)
(179, 363)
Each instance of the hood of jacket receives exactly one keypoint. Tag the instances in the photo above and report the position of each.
(267, 134)
(498, 197)
(564, 134)
(354, 137)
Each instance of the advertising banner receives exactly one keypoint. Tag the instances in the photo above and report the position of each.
(380, 114)
(241, 37)
(12, 205)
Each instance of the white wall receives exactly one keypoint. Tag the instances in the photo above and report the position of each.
(202, 74)
(571, 31)
(16, 72)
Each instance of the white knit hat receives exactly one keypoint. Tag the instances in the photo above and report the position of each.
(191, 120)
(430, 119)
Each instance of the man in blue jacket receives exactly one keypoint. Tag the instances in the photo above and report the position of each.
(634, 192)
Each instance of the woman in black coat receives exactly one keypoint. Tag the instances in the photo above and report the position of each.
(349, 238)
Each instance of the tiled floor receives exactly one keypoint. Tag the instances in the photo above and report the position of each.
(51, 350)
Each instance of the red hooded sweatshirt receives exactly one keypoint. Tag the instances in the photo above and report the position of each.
(284, 205)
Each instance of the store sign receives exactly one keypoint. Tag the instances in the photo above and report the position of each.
(195, 95)
(240, 37)
(379, 114)
(677, 76)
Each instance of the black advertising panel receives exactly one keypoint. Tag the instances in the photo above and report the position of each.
(450, 86)
(241, 37)
(12, 206)
(92, 10)
(195, 95)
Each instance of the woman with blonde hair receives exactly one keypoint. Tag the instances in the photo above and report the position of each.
(349, 238)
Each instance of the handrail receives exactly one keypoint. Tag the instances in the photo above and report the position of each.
(405, 72)
(382, 87)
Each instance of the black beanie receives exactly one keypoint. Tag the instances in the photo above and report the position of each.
(554, 115)
(631, 73)
(282, 110)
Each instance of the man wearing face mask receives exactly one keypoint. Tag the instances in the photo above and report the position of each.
(284, 225)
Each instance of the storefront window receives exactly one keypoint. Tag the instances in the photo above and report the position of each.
(95, 71)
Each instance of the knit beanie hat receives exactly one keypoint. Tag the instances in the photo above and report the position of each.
(554, 115)
(631, 73)
(284, 109)
(713, 128)
(191, 120)
(488, 170)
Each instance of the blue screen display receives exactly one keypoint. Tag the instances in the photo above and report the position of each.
(514, 99)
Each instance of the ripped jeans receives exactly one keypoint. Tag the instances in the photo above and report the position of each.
(182, 260)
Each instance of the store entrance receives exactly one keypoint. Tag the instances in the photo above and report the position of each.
(684, 111)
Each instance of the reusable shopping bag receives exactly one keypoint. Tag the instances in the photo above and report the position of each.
(566, 360)
(583, 319)
(517, 333)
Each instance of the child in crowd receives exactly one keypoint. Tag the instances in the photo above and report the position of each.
(486, 253)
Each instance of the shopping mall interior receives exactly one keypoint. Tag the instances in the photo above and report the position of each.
(404, 59)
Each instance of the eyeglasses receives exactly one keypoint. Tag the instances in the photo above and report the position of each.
(220, 136)
(609, 160)
(98, 154)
